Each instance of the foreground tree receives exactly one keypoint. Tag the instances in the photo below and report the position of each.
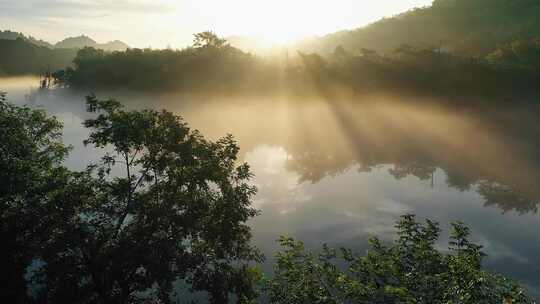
(410, 271)
(174, 210)
(31, 153)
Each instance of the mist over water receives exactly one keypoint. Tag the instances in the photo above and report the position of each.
(338, 171)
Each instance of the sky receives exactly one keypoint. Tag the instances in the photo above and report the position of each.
(162, 23)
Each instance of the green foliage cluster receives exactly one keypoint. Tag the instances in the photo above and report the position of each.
(412, 270)
(31, 154)
(177, 213)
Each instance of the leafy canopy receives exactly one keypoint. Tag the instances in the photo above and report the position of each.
(31, 153)
(412, 270)
(164, 205)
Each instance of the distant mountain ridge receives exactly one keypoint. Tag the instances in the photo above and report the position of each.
(68, 43)
(85, 41)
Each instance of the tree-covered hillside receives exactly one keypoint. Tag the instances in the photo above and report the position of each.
(20, 56)
(10, 35)
(468, 27)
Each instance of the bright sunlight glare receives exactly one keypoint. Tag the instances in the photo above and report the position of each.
(282, 21)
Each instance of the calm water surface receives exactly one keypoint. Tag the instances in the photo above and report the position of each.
(337, 173)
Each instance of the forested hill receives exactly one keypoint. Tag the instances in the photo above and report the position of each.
(11, 35)
(20, 57)
(466, 27)
(21, 54)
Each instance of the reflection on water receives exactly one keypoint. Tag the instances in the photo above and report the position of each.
(338, 172)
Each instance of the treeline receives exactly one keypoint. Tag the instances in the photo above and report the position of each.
(21, 57)
(511, 70)
(212, 65)
(177, 212)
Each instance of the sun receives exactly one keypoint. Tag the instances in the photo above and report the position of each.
(271, 22)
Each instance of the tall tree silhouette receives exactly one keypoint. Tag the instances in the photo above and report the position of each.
(177, 212)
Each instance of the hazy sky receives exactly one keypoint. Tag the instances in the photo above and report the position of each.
(159, 23)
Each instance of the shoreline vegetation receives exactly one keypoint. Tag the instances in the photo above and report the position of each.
(212, 66)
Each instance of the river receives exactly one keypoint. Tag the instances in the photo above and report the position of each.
(339, 172)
